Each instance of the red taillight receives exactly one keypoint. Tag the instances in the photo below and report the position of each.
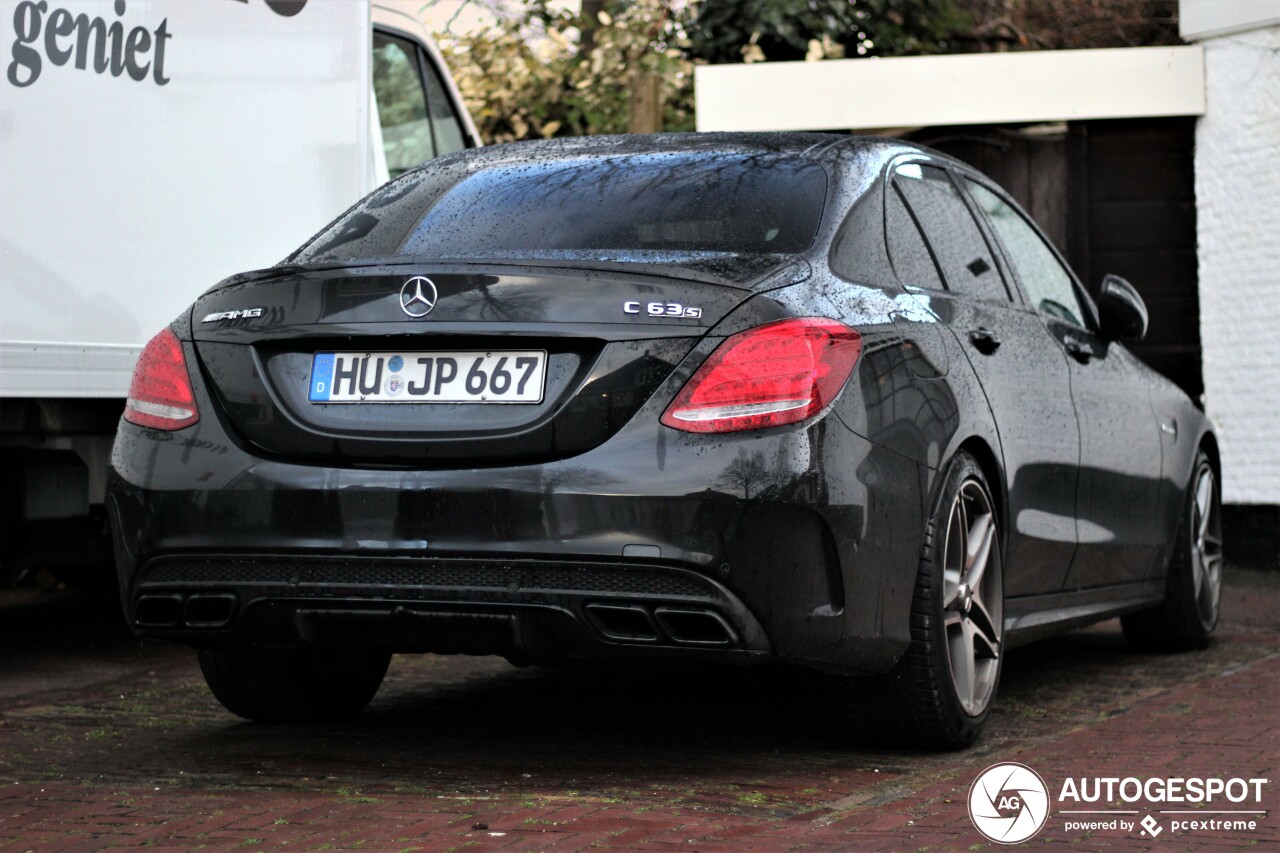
(160, 395)
(768, 376)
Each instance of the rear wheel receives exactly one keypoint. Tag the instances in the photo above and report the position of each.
(293, 685)
(1188, 616)
(940, 694)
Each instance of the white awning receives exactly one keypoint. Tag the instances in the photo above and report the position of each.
(973, 88)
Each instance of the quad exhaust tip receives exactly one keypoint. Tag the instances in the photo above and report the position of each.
(686, 626)
(157, 611)
(695, 627)
(171, 610)
(627, 623)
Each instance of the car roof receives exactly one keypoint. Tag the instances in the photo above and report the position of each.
(813, 146)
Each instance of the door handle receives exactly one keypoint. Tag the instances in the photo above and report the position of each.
(984, 340)
(1078, 349)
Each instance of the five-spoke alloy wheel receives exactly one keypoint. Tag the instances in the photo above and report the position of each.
(972, 598)
(1206, 549)
(1188, 616)
(939, 694)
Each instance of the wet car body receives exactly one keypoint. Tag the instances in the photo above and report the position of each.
(582, 526)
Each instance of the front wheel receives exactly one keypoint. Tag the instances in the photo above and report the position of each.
(1188, 616)
(293, 685)
(940, 694)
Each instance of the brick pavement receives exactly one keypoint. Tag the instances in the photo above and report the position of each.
(112, 743)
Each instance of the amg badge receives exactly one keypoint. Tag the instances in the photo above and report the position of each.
(232, 315)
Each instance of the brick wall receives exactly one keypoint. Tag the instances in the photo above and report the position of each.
(1237, 165)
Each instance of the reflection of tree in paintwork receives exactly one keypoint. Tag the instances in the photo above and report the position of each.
(552, 481)
(514, 304)
(903, 412)
(746, 475)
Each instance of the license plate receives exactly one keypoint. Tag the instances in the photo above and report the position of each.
(497, 376)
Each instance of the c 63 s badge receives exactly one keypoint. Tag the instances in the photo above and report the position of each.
(662, 309)
(232, 315)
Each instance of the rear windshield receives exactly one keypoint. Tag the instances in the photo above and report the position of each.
(652, 202)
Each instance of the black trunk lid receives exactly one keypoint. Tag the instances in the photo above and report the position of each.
(612, 332)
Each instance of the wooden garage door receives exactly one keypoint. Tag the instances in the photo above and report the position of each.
(1116, 196)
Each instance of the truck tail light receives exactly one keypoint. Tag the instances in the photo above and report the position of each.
(775, 374)
(160, 395)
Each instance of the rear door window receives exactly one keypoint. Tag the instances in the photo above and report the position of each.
(910, 256)
(1047, 282)
(958, 245)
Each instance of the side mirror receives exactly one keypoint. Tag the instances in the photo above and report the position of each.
(1121, 310)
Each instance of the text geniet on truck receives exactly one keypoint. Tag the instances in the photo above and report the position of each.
(150, 150)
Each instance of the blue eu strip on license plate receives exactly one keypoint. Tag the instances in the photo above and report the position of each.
(322, 377)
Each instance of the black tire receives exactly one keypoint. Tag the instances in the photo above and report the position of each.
(1188, 616)
(294, 685)
(924, 702)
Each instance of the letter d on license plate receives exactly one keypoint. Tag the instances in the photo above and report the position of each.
(493, 376)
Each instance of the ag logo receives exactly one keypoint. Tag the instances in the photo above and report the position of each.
(1008, 803)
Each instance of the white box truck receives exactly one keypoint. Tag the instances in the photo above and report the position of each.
(148, 149)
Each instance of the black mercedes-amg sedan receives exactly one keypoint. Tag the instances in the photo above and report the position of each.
(825, 400)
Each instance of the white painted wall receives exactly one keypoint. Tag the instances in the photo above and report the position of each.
(1237, 166)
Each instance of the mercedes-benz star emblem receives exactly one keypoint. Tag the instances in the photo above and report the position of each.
(418, 296)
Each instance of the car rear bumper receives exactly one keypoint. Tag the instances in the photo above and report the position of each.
(728, 547)
(518, 608)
